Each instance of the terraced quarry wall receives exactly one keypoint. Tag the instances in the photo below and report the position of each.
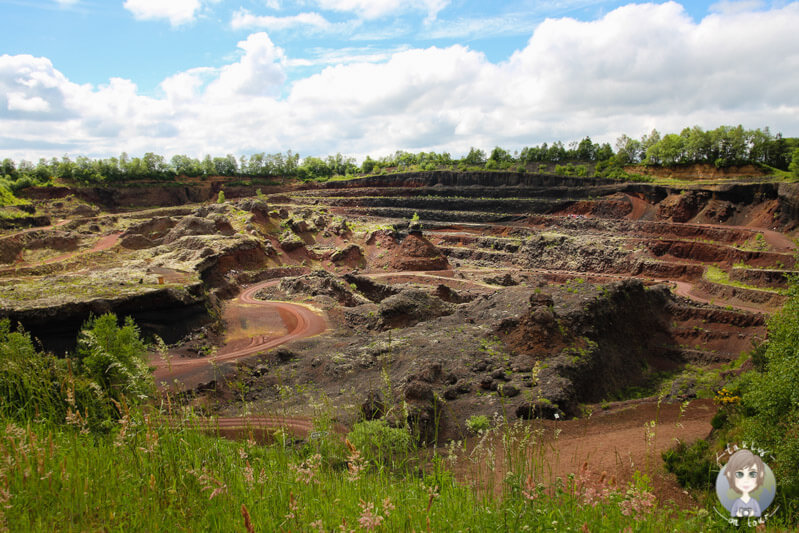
(477, 288)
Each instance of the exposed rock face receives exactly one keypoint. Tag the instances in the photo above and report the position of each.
(192, 225)
(154, 229)
(290, 241)
(351, 254)
(135, 242)
(593, 351)
(376, 292)
(322, 283)
(684, 206)
(256, 206)
(411, 306)
(170, 313)
(417, 253)
(575, 253)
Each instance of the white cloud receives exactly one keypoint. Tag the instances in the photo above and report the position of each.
(259, 72)
(733, 6)
(637, 67)
(372, 9)
(19, 102)
(243, 19)
(67, 2)
(176, 11)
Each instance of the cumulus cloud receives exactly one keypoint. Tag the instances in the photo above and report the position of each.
(243, 19)
(176, 11)
(258, 73)
(372, 9)
(637, 67)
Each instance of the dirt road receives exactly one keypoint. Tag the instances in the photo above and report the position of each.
(299, 322)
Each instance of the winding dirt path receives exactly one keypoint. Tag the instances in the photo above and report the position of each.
(186, 374)
(103, 243)
(299, 321)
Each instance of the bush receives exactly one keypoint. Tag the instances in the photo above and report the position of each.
(220, 198)
(38, 386)
(770, 401)
(114, 357)
(380, 443)
(478, 423)
(691, 464)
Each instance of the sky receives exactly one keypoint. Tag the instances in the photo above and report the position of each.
(369, 77)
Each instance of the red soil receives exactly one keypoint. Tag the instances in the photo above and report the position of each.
(298, 321)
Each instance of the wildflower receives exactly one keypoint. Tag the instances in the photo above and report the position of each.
(208, 482)
(249, 475)
(369, 520)
(529, 490)
(306, 471)
(637, 502)
(388, 506)
(318, 525)
(355, 463)
(294, 507)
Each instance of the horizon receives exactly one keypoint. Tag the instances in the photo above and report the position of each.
(321, 77)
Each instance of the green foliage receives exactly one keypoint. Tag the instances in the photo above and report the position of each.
(114, 357)
(793, 167)
(30, 382)
(7, 198)
(381, 443)
(108, 370)
(478, 423)
(474, 157)
(770, 398)
(146, 477)
(692, 464)
(220, 198)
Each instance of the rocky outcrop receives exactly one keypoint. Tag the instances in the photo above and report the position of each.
(170, 313)
(411, 306)
(322, 283)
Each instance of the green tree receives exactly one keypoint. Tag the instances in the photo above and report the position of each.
(771, 398)
(793, 167)
(628, 150)
(475, 157)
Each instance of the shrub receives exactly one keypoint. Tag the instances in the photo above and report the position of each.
(478, 423)
(380, 443)
(114, 357)
(109, 368)
(220, 198)
(770, 401)
(691, 464)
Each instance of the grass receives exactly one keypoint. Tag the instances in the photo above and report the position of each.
(147, 477)
(716, 275)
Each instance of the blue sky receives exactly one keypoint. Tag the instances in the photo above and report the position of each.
(97, 77)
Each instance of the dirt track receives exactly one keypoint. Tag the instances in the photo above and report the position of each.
(299, 322)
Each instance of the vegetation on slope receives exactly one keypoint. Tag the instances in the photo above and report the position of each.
(761, 408)
(722, 147)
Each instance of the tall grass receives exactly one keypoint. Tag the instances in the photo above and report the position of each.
(149, 477)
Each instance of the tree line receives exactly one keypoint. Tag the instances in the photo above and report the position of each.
(722, 147)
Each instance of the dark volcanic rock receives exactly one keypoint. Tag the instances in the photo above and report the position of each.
(322, 283)
(191, 225)
(136, 242)
(411, 306)
(376, 292)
